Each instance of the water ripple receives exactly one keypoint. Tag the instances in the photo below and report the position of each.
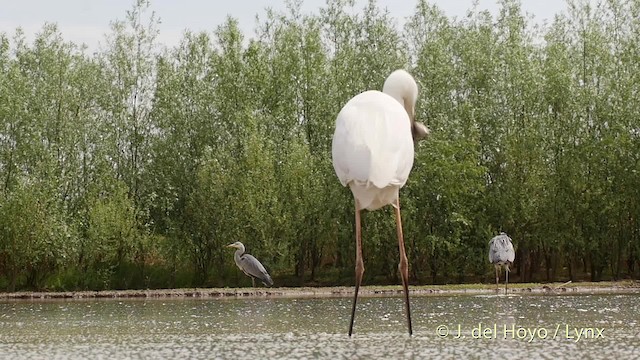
(544, 327)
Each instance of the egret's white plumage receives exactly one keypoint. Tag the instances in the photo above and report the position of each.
(372, 150)
(372, 146)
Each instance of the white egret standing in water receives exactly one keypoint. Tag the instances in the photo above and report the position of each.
(372, 151)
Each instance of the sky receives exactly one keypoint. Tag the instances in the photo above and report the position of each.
(87, 21)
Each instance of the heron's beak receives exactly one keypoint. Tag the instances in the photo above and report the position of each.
(230, 245)
(419, 131)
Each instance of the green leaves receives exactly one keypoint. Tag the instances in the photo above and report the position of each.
(112, 229)
(34, 238)
(134, 166)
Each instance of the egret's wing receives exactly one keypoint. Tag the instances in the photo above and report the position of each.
(252, 267)
(372, 142)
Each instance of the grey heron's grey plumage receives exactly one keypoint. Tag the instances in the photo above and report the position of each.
(250, 265)
(501, 253)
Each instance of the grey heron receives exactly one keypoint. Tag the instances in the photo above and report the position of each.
(250, 265)
(372, 152)
(501, 253)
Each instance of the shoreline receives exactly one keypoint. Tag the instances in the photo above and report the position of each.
(619, 287)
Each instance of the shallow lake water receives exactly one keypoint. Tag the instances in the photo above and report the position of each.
(545, 327)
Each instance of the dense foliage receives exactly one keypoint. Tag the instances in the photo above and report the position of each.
(133, 166)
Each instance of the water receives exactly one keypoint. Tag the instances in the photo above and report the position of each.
(316, 328)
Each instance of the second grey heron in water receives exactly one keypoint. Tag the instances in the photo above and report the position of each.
(501, 253)
(250, 265)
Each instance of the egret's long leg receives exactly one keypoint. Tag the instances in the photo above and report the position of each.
(359, 266)
(497, 277)
(403, 266)
(253, 281)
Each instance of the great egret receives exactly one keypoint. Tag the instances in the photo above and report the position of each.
(250, 265)
(372, 151)
(501, 253)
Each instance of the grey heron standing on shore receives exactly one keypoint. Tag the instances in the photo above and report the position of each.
(250, 265)
(501, 253)
(372, 152)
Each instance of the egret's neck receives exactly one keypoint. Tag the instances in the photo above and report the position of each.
(394, 93)
(402, 87)
(404, 99)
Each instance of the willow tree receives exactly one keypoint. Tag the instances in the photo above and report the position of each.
(128, 67)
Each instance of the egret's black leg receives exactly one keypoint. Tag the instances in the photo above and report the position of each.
(359, 266)
(403, 266)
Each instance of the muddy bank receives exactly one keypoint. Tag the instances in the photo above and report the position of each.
(323, 292)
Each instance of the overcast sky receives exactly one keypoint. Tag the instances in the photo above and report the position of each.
(87, 21)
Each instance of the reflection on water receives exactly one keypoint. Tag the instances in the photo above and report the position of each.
(449, 326)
